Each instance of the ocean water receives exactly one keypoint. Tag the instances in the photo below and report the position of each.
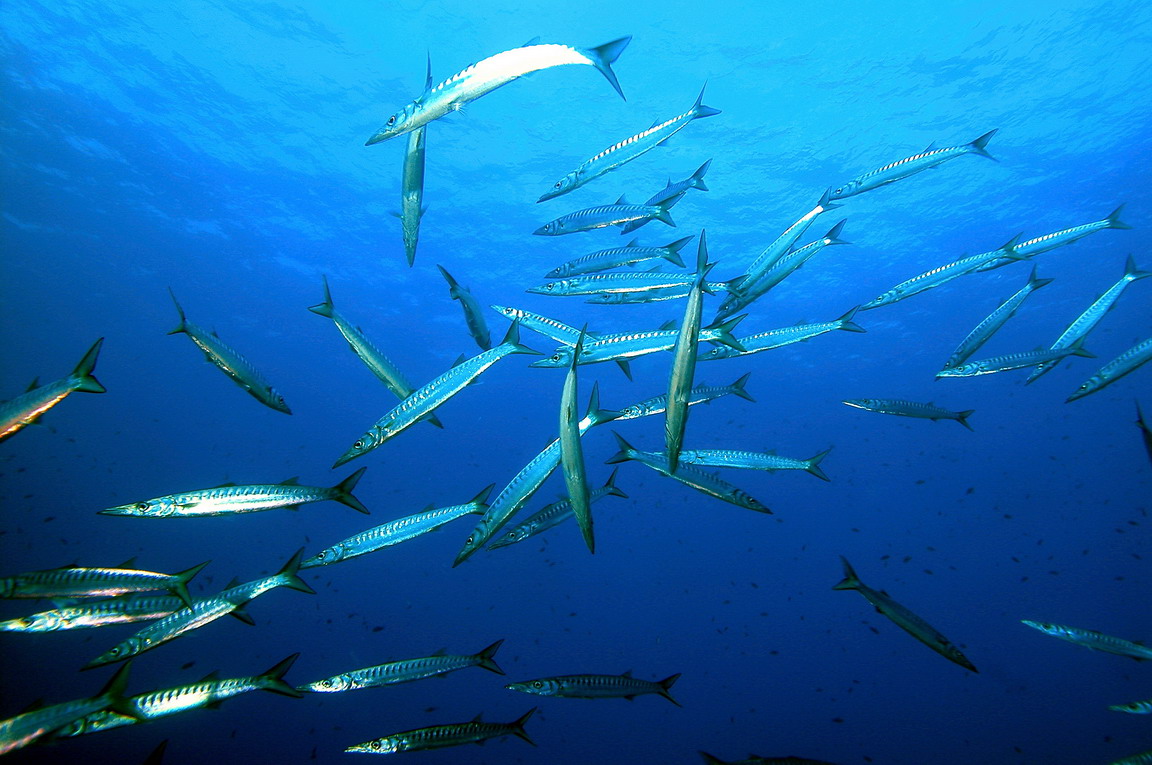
(217, 148)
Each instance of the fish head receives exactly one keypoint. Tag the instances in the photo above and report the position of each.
(542, 687)
(125, 650)
(510, 537)
(718, 352)
(561, 357)
(550, 288)
(474, 542)
(551, 228)
(276, 401)
(399, 123)
(153, 508)
(328, 685)
(562, 186)
(379, 746)
(845, 190)
(364, 444)
(324, 557)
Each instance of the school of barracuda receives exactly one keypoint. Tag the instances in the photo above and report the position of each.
(106, 596)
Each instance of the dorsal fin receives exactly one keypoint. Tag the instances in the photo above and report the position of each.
(293, 481)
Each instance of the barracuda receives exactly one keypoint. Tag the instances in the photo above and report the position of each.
(629, 149)
(930, 157)
(654, 295)
(754, 461)
(406, 671)
(777, 249)
(81, 582)
(684, 360)
(1135, 708)
(1126, 362)
(27, 408)
(903, 618)
(597, 686)
(436, 736)
(617, 257)
(1096, 641)
(412, 207)
(423, 401)
(397, 531)
(1010, 361)
(572, 455)
(231, 363)
(493, 72)
(701, 394)
(101, 613)
(473, 313)
(694, 181)
(1145, 431)
(592, 284)
(1033, 247)
(553, 515)
(758, 760)
(993, 322)
(556, 330)
(607, 215)
(777, 338)
(927, 411)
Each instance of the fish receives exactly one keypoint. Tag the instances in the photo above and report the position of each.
(85, 581)
(230, 499)
(994, 321)
(655, 294)
(1145, 431)
(202, 612)
(754, 461)
(1032, 247)
(405, 671)
(552, 515)
(591, 284)
(778, 338)
(571, 454)
(1010, 361)
(617, 257)
(927, 411)
(754, 759)
(1134, 708)
(694, 181)
(903, 618)
(100, 613)
(228, 361)
(1143, 758)
(1126, 362)
(436, 736)
(629, 149)
(473, 313)
(684, 360)
(551, 328)
(380, 365)
(1088, 320)
(894, 171)
(1096, 641)
(701, 394)
(412, 207)
(780, 246)
(597, 686)
(399, 530)
(431, 395)
(27, 408)
(487, 75)
(21, 730)
(602, 216)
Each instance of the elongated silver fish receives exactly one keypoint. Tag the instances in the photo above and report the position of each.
(616, 281)
(927, 411)
(231, 499)
(903, 618)
(778, 338)
(930, 157)
(1097, 641)
(1145, 431)
(551, 328)
(572, 455)
(597, 686)
(617, 257)
(484, 76)
(684, 361)
(1010, 361)
(1134, 708)
(423, 401)
(758, 760)
(552, 515)
(230, 362)
(412, 207)
(397, 531)
(1088, 320)
(630, 148)
(993, 322)
(87, 582)
(437, 736)
(406, 671)
(603, 216)
(694, 181)
(655, 294)
(99, 613)
(780, 246)
(1033, 247)
(754, 461)
(701, 394)
(28, 407)
(473, 313)
(1126, 362)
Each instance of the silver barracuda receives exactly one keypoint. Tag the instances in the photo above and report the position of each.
(903, 618)
(1145, 431)
(1010, 361)
(412, 207)
(655, 295)
(684, 360)
(473, 313)
(373, 358)
(438, 736)
(231, 363)
(942, 274)
(572, 455)
(783, 243)
(208, 692)
(1126, 362)
(552, 515)
(927, 411)
(754, 461)
(1097, 641)
(593, 284)
(88, 582)
(1033, 247)
(423, 401)
(28, 407)
(777, 338)
(1135, 708)
(551, 328)
(1088, 320)
(617, 257)
(405, 671)
(493, 72)
(397, 531)
(694, 181)
(231, 499)
(100, 613)
(607, 215)
(629, 149)
(597, 686)
(689, 475)
(930, 157)
(993, 322)
(526, 483)
(757, 760)
(203, 611)
(21, 730)
(701, 394)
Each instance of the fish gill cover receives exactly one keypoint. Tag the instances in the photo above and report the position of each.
(217, 149)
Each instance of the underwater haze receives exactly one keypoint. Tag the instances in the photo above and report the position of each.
(217, 149)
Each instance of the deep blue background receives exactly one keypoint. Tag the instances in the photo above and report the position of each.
(217, 148)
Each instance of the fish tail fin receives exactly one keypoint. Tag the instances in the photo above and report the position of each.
(723, 332)
(962, 417)
(625, 452)
(273, 678)
(452, 284)
(847, 324)
(512, 337)
(597, 415)
(1077, 349)
(1131, 272)
(610, 485)
(183, 325)
(666, 684)
(977, 146)
(326, 308)
(850, 580)
(518, 725)
(82, 375)
(1035, 282)
(833, 235)
(813, 465)
(1114, 218)
(484, 658)
(702, 110)
(603, 56)
(662, 213)
(180, 588)
(672, 251)
(343, 492)
(114, 689)
(738, 388)
(289, 576)
(825, 202)
(696, 180)
(481, 499)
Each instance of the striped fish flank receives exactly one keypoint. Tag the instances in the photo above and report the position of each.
(623, 686)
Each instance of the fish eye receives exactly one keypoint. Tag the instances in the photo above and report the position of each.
(471, 538)
(559, 184)
(537, 684)
(327, 683)
(556, 357)
(840, 191)
(375, 744)
(392, 120)
(358, 445)
(550, 285)
(141, 505)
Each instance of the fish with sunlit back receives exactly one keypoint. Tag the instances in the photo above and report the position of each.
(86, 581)
(623, 686)
(993, 322)
(412, 184)
(97, 613)
(437, 736)
(754, 461)
(571, 453)
(603, 216)
(1097, 641)
(927, 411)
(1032, 247)
(618, 257)
(27, 408)
(406, 671)
(1126, 362)
(694, 181)
(1010, 361)
(552, 515)
(684, 360)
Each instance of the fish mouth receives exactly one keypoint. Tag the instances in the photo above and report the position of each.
(380, 137)
(537, 290)
(549, 195)
(120, 510)
(348, 456)
(548, 364)
(542, 231)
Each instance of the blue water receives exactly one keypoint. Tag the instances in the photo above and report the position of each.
(217, 148)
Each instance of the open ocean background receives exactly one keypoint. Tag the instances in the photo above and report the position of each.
(217, 148)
